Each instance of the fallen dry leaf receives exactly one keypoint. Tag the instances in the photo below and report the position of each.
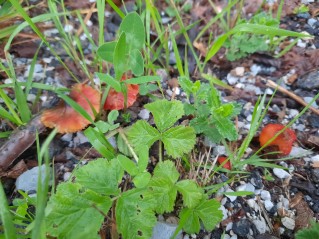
(65, 119)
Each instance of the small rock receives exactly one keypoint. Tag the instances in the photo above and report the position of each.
(280, 173)
(288, 223)
(309, 81)
(299, 152)
(112, 141)
(260, 225)
(314, 158)
(255, 69)
(256, 180)
(246, 187)
(268, 205)
(80, 138)
(265, 195)
(66, 176)
(241, 227)
(238, 71)
(224, 211)
(232, 80)
(67, 137)
(311, 21)
(308, 100)
(163, 230)
(252, 204)
(68, 28)
(29, 179)
(144, 114)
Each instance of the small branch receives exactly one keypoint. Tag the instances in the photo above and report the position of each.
(274, 85)
(20, 140)
(160, 151)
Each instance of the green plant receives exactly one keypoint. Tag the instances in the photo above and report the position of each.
(210, 116)
(309, 233)
(86, 201)
(177, 140)
(242, 44)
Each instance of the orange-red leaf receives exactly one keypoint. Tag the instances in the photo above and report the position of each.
(284, 141)
(115, 100)
(64, 118)
(222, 159)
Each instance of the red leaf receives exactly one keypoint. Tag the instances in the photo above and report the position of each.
(115, 100)
(65, 118)
(284, 141)
(222, 159)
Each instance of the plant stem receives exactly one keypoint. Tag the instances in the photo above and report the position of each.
(160, 151)
(120, 130)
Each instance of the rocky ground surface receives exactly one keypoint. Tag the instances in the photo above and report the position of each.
(282, 203)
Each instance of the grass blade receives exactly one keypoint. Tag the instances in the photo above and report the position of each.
(6, 218)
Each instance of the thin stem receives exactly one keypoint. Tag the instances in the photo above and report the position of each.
(160, 151)
(120, 130)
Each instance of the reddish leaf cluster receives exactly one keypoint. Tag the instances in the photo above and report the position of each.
(66, 120)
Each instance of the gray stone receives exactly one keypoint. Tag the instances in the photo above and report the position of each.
(268, 205)
(29, 179)
(265, 195)
(144, 114)
(288, 223)
(280, 173)
(309, 81)
(163, 230)
(260, 225)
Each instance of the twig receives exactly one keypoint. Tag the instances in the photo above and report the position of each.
(20, 140)
(274, 85)
(87, 17)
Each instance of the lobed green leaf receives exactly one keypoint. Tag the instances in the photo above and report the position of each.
(165, 113)
(101, 176)
(179, 140)
(74, 212)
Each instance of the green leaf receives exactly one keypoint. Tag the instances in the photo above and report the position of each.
(143, 79)
(143, 159)
(102, 126)
(167, 170)
(74, 212)
(136, 62)
(179, 140)
(128, 165)
(135, 217)
(115, 84)
(106, 51)
(120, 57)
(142, 179)
(112, 116)
(165, 113)
(192, 194)
(101, 176)
(207, 211)
(99, 142)
(133, 27)
(141, 135)
(225, 127)
(309, 233)
(165, 192)
(162, 186)
(239, 193)
(186, 84)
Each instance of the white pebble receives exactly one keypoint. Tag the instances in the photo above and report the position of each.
(288, 223)
(144, 114)
(66, 176)
(265, 195)
(280, 173)
(68, 28)
(268, 205)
